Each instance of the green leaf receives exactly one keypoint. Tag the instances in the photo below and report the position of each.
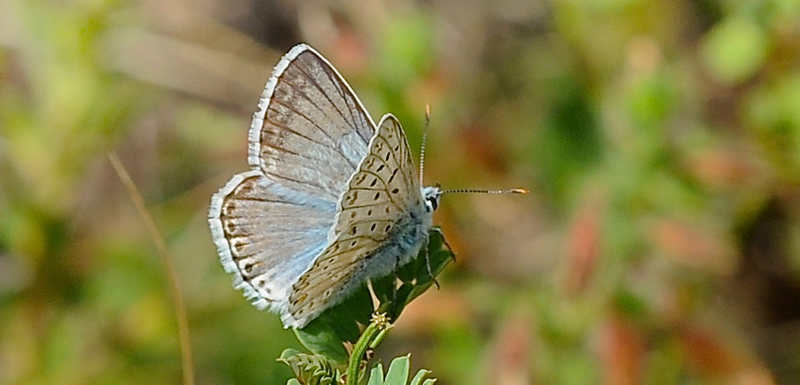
(398, 371)
(325, 338)
(309, 369)
(417, 380)
(376, 375)
(398, 374)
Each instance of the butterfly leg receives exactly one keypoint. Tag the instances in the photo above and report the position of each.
(444, 240)
(428, 264)
(376, 302)
(394, 287)
(396, 277)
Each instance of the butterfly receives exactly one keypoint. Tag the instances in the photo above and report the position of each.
(331, 199)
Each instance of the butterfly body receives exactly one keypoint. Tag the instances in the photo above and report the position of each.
(398, 248)
(331, 199)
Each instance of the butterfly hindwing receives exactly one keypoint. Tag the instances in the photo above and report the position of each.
(379, 196)
(266, 237)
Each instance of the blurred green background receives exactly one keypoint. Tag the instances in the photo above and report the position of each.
(660, 140)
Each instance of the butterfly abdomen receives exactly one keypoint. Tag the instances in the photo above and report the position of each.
(400, 247)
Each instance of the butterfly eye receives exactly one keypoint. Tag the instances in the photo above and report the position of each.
(432, 204)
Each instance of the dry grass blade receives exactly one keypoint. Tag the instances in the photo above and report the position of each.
(177, 298)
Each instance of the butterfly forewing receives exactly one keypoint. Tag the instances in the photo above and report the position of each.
(380, 194)
(311, 130)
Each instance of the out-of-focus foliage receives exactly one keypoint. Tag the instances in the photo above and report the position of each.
(660, 139)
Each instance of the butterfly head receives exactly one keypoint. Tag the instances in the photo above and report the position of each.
(431, 195)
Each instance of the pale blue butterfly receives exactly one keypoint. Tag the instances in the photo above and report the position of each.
(330, 200)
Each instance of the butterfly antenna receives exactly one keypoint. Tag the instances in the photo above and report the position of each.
(424, 140)
(478, 191)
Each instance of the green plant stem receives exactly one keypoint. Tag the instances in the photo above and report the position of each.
(373, 333)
